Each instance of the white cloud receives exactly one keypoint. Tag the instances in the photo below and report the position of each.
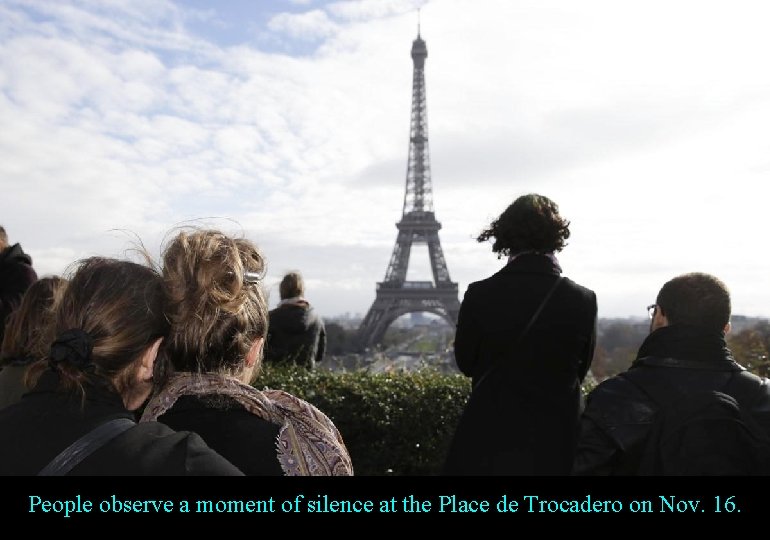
(143, 23)
(649, 132)
(310, 25)
(365, 10)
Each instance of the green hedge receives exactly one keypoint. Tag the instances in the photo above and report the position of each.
(392, 424)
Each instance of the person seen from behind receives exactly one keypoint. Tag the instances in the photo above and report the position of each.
(526, 336)
(219, 320)
(78, 417)
(16, 276)
(28, 336)
(297, 334)
(683, 359)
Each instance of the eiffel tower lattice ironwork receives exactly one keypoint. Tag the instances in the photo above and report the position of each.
(395, 295)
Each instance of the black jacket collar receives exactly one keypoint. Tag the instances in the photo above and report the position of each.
(681, 344)
(531, 263)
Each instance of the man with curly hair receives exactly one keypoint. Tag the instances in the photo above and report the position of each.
(526, 336)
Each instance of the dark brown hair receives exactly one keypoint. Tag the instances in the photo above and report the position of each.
(119, 304)
(531, 223)
(216, 312)
(696, 299)
(29, 329)
(291, 285)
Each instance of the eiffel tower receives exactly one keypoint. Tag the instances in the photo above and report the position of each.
(395, 295)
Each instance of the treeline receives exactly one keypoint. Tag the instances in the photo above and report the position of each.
(341, 340)
(618, 341)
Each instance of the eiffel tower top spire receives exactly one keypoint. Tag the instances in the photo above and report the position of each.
(418, 22)
(418, 196)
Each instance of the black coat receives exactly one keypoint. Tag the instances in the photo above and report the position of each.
(16, 276)
(680, 361)
(247, 441)
(296, 335)
(46, 421)
(12, 382)
(523, 418)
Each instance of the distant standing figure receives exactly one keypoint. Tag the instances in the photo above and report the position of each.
(523, 414)
(16, 275)
(28, 337)
(296, 333)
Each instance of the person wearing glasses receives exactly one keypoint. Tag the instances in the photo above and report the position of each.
(684, 356)
(526, 336)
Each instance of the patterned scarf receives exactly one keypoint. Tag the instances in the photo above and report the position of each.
(308, 443)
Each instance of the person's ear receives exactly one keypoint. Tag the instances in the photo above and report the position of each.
(728, 327)
(255, 352)
(659, 320)
(147, 362)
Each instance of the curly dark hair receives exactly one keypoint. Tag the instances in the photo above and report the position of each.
(531, 223)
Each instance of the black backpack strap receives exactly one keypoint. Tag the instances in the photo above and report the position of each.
(85, 446)
(743, 389)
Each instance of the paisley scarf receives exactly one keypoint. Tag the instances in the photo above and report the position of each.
(308, 443)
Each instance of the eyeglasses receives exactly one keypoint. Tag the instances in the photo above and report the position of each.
(651, 309)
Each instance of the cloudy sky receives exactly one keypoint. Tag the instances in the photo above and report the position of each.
(287, 121)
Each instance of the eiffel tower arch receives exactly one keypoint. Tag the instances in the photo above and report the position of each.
(418, 225)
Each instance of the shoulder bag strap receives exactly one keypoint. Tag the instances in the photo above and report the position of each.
(525, 331)
(85, 446)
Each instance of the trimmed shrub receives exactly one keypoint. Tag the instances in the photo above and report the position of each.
(392, 423)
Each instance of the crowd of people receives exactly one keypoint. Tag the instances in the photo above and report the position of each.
(122, 369)
(128, 371)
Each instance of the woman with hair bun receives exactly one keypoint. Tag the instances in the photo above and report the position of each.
(219, 318)
(78, 418)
